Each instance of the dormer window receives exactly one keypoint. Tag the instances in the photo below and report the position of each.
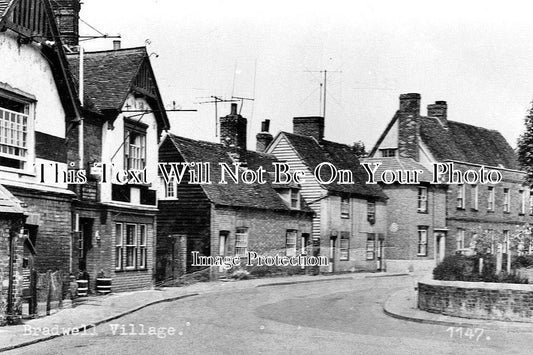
(345, 207)
(387, 153)
(295, 198)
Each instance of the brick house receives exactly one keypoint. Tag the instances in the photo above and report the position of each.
(124, 117)
(225, 219)
(37, 107)
(471, 209)
(350, 220)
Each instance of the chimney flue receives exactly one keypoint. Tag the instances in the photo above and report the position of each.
(233, 109)
(439, 110)
(233, 129)
(264, 138)
(309, 126)
(116, 45)
(409, 126)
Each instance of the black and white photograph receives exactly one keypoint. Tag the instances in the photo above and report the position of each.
(281, 177)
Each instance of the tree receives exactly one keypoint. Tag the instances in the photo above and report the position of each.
(359, 149)
(525, 147)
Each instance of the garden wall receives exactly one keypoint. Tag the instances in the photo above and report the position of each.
(481, 300)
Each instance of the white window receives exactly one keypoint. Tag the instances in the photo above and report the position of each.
(344, 247)
(130, 246)
(171, 188)
(345, 207)
(506, 241)
(460, 239)
(422, 241)
(15, 128)
(290, 244)
(370, 246)
(461, 196)
(522, 195)
(506, 200)
(386, 153)
(490, 206)
(134, 145)
(474, 197)
(241, 241)
(295, 198)
(422, 199)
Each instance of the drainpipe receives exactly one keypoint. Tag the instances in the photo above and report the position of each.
(81, 95)
(10, 285)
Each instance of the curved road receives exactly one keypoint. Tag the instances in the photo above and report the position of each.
(334, 317)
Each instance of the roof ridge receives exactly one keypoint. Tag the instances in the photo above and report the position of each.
(108, 50)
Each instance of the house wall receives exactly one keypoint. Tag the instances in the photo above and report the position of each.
(401, 243)
(479, 221)
(266, 229)
(113, 147)
(357, 225)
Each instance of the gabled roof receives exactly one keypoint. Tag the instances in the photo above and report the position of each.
(467, 143)
(342, 157)
(261, 196)
(54, 53)
(110, 76)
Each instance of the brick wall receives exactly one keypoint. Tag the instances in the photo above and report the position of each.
(53, 215)
(309, 126)
(508, 302)
(409, 126)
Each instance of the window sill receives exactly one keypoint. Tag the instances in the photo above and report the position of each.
(474, 209)
(21, 172)
(460, 208)
(128, 270)
(422, 212)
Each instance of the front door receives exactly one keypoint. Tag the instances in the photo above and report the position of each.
(333, 253)
(85, 241)
(440, 242)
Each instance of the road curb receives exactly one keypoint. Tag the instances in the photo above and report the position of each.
(386, 275)
(303, 282)
(515, 327)
(95, 324)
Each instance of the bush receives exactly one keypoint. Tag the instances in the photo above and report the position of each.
(466, 268)
(522, 261)
(240, 274)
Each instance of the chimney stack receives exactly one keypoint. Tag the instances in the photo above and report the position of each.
(309, 126)
(67, 14)
(409, 126)
(264, 138)
(116, 45)
(439, 110)
(233, 129)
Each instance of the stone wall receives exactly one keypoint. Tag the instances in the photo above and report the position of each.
(480, 300)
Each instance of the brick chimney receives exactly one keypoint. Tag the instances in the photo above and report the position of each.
(439, 110)
(409, 126)
(309, 126)
(264, 138)
(67, 13)
(233, 129)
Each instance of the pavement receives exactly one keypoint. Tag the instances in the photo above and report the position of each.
(97, 310)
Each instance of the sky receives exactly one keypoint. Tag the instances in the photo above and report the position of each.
(476, 55)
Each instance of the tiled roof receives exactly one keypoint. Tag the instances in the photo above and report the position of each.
(108, 75)
(341, 156)
(398, 163)
(467, 143)
(261, 196)
(9, 203)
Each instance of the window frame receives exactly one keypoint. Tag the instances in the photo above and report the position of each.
(461, 192)
(119, 247)
(139, 130)
(422, 233)
(422, 199)
(142, 262)
(139, 247)
(388, 152)
(460, 239)
(294, 197)
(290, 247)
(345, 207)
(174, 183)
(474, 194)
(491, 198)
(28, 103)
(522, 196)
(506, 200)
(371, 211)
(344, 246)
(370, 246)
(241, 232)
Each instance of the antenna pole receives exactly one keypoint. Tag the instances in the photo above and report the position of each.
(325, 90)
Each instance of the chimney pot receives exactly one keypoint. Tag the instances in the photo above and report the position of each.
(439, 110)
(265, 126)
(116, 45)
(410, 103)
(233, 109)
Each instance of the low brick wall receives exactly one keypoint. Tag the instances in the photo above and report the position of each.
(481, 300)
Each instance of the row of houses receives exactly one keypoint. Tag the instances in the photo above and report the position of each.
(82, 135)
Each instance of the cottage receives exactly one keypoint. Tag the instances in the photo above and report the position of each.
(226, 219)
(350, 220)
